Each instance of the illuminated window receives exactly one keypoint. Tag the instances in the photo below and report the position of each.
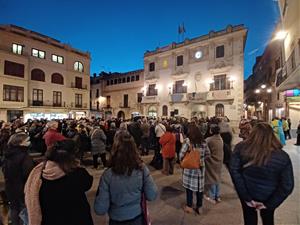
(38, 53)
(58, 59)
(78, 66)
(17, 49)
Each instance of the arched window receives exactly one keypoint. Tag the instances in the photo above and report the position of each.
(219, 110)
(165, 110)
(57, 78)
(152, 111)
(78, 66)
(37, 74)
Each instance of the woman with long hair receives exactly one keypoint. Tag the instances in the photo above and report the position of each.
(193, 179)
(262, 174)
(55, 190)
(122, 185)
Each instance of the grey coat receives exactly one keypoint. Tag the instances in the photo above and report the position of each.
(215, 161)
(98, 140)
(120, 195)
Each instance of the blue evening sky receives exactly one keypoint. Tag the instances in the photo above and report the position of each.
(118, 32)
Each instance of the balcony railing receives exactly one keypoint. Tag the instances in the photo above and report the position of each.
(46, 103)
(197, 97)
(78, 86)
(121, 105)
(220, 95)
(150, 99)
(37, 103)
(290, 66)
(178, 97)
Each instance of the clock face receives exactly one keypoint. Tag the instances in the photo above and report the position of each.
(198, 54)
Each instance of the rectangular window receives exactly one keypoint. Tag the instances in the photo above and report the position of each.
(151, 90)
(152, 67)
(220, 83)
(293, 60)
(78, 82)
(125, 101)
(14, 69)
(220, 51)
(180, 60)
(13, 93)
(137, 77)
(132, 78)
(277, 63)
(123, 80)
(139, 97)
(38, 53)
(128, 79)
(58, 59)
(108, 101)
(78, 100)
(57, 98)
(107, 83)
(97, 93)
(119, 81)
(37, 97)
(179, 87)
(17, 49)
(115, 81)
(111, 82)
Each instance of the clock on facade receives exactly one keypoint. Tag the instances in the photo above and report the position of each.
(198, 54)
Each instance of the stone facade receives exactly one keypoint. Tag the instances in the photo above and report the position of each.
(198, 77)
(35, 66)
(117, 94)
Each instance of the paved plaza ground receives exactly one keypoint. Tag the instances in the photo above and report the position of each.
(166, 209)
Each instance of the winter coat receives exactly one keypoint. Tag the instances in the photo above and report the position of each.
(135, 130)
(193, 179)
(120, 195)
(52, 136)
(4, 137)
(270, 184)
(168, 142)
(16, 168)
(213, 163)
(63, 200)
(145, 127)
(98, 141)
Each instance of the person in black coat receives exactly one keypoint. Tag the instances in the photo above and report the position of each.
(135, 130)
(16, 168)
(262, 174)
(64, 184)
(298, 135)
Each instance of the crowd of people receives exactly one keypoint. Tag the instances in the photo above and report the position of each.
(53, 190)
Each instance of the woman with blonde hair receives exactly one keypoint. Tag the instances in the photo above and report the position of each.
(262, 174)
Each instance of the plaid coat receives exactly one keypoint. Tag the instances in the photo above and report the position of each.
(193, 179)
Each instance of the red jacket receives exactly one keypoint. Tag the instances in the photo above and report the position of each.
(52, 136)
(168, 141)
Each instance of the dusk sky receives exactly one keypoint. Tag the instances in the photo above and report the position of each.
(118, 32)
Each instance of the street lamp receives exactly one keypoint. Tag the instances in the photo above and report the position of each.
(263, 86)
(269, 90)
(257, 91)
(281, 35)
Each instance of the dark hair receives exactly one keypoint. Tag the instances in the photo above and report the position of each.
(169, 128)
(125, 157)
(215, 129)
(194, 134)
(260, 144)
(63, 153)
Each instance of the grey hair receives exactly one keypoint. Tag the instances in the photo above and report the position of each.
(17, 138)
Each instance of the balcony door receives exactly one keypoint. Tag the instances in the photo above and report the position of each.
(78, 82)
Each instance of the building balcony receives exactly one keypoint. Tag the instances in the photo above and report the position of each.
(288, 77)
(78, 86)
(151, 76)
(178, 97)
(121, 105)
(217, 95)
(150, 99)
(80, 106)
(46, 104)
(197, 97)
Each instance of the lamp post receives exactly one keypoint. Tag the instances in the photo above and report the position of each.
(264, 91)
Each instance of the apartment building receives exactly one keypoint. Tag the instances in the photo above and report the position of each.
(117, 94)
(288, 77)
(40, 77)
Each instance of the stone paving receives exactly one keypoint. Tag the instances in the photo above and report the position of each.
(166, 209)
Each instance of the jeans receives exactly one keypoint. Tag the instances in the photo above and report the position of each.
(168, 166)
(189, 198)
(250, 215)
(136, 221)
(95, 159)
(214, 191)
